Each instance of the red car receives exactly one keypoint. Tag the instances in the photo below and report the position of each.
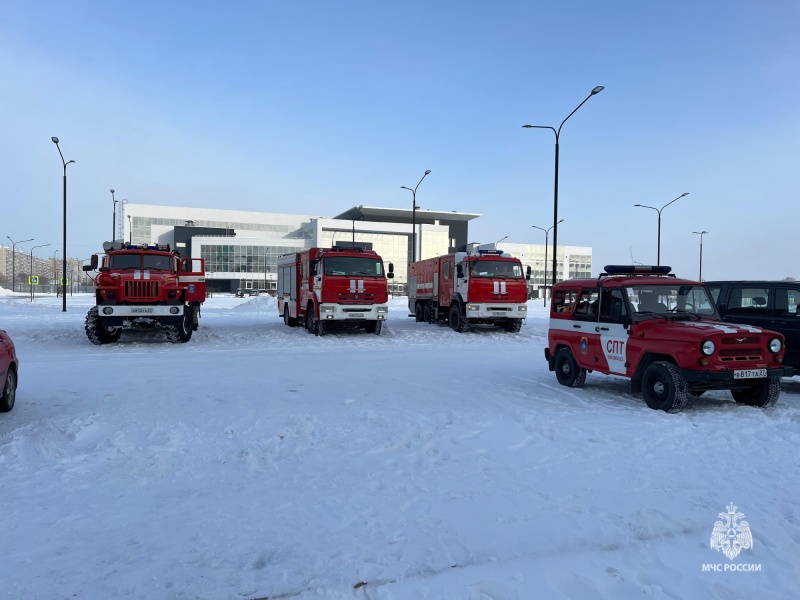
(9, 367)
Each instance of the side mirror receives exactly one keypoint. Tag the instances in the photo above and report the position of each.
(390, 274)
(87, 268)
(459, 271)
(92, 263)
(528, 274)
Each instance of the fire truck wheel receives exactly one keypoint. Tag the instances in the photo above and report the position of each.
(457, 322)
(513, 325)
(761, 393)
(9, 391)
(427, 313)
(319, 328)
(418, 313)
(373, 327)
(95, 331)
(181, 333)
(289, 321)
(568, 372)
(663, 387)
(310, 320)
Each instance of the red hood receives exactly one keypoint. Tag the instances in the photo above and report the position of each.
(486, 289)
(338, 289)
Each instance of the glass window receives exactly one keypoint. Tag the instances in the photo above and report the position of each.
(126, 261)
(495, 268)
(673, 300)
(350, 265)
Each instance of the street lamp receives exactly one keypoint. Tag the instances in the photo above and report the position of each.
(130, 231)
(55, 273)
(546, 234)
(414, 216)
(658, 210)
(498, 241)
(557, 133)
(701, 234)
(64, 247)
(31, 275)
(113, 217)
(14, 261)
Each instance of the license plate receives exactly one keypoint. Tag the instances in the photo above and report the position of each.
(749, 373)
(355, 316)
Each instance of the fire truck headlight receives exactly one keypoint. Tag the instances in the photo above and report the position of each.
(473, 307)
(522, 308)
(108, 310)
(775, 345)
(174, 310)
(382, 309)
(327, 309)
(708, 348)
(172, 295)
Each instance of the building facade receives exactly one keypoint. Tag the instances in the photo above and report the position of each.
(241, 248)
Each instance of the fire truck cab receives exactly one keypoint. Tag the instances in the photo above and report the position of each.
(484, 287)
(664, 334)
(145, 286)
(320, 288)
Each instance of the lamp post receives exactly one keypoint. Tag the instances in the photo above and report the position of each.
(55, 273)
(557, 133)
(701, 234)
(14, 261)
(113, 217)
(31, 275)
(500, 240)
(130, 231)
(546, 234)
(64, 247)
(414, 208)
(658, 210)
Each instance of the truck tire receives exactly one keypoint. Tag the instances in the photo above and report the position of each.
(419, 314)
(181, 333)
(95, 331)
(427, 313)
(9, 391)
(568, 372)
(761, 393)
(513, 325)
(289, 321)
(457, 322)
(663, 387)
(373, 327)
(309, 322)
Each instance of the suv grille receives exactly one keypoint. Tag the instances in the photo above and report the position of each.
(141, 289)
(746, 348)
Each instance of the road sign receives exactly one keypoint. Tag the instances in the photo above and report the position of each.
(33, 280)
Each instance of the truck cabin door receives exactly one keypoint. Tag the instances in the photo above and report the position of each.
(445, 291)
(461, 280)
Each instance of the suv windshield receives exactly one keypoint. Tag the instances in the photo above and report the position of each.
(670, 301)
(351, 265)
(495, 268)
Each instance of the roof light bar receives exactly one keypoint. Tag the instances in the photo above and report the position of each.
(636, 269)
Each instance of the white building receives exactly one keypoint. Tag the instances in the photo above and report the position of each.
(241, 248)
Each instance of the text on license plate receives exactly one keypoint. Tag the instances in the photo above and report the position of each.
(749, 373)
(355, 316)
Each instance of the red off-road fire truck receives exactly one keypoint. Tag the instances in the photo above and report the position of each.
(662, 332)
(145, 287)
(463, 289)
(321, 288)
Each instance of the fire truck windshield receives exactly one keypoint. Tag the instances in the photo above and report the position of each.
(495, 268)
(352, 265)
(125, 261)
(157, 262)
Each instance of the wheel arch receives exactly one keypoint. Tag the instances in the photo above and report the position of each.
(646, 360)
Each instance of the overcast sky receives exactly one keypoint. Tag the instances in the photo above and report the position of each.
(313, 107)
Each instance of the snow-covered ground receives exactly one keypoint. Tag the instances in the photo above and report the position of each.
(258, 461)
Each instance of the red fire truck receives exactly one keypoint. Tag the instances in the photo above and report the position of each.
(145, 287)
(664, 334)
(326, 287)
(464, 289)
